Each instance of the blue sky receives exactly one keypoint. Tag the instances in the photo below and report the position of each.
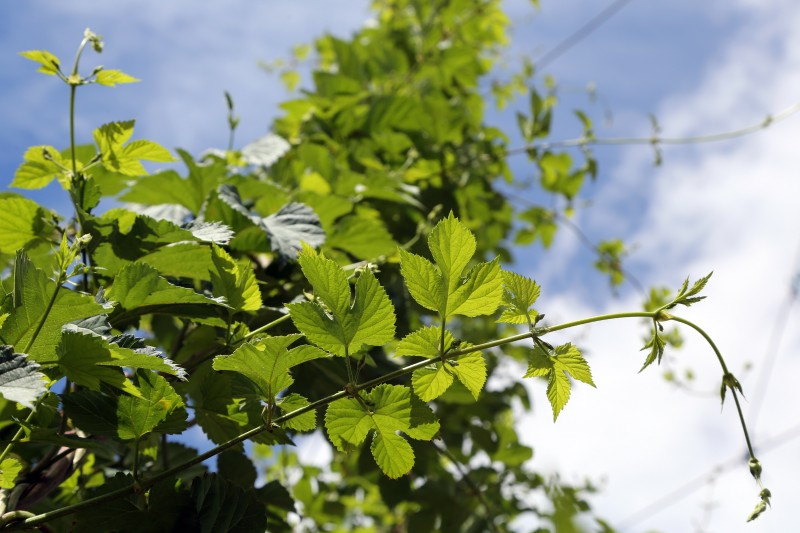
(700, 67)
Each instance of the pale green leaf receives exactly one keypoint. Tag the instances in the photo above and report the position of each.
(372, 318)
(565, 361)
(182, 260)
(236, 282)
(432, 381)
(452, 246)
(10, 468)
(49, 62)
(424, 283)
(392, 453)
(481, 294)
(558, 389)
(569, 359)
(362, 237)
(424, 342)
(22, 222)
(110, 77)
(36, 171)
(318, 327)
(305, 422)
(520, 294)
(470, 369)
(328, 280)
(267, 363)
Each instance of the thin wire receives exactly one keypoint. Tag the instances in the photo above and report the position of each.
(581, 33)
(778, 330)
(690, 487)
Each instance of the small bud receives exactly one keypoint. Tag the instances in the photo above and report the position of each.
(85, 238)
(46, 155)
(97, 70)
(755, 467)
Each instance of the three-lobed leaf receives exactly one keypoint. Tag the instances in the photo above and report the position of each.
(565, 361)
(519, 296)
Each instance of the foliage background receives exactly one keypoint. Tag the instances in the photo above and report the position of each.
(730, 207)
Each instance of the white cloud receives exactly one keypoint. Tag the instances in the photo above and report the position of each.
(731, 207)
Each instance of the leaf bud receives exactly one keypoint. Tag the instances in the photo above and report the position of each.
(755, 467)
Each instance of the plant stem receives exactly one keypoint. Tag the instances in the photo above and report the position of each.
(266, 327)
(147, 483)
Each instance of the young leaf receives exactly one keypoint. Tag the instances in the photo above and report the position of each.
(40, 165)
(305, 422)
(267, 363)
(110, 78)
(333, 323)
(50, 64)
(520, 294)
(23, 222)
(126, 158)
(424, 342)
(470, 369)
(138, 416)
(565, 362)
(688, 296)
(236, 282)
(432, 381)
(10, 468)
(656, 346)
(20, 379)
(447, 290)
(384, 411)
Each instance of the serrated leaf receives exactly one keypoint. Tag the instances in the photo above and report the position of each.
(181, 260)
(656, 346)
(20, 379)
(138, 416)
(422, 280)
(520, 294)
(138, 286)
(110, 78)
(306, 421)
(371, 321)
(49, 62)
(82, 357)
(470, 369)
(291, 226)
(424, 342)
(328, 280)
(126, 158)
(236, 282)
(362, 237)
(33, 291)
(431, 381)
(566, 361)
(452, 246)
(385, 410)
(445, 288)
(10, 468)
(268, 362)
(265, 150)
(222, 506)
(22, 222)
(335, 324)
(36, 171)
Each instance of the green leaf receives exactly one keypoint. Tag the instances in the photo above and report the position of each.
(333, 323)
(432, 381)
(33, 290)
(50, 64)
(470, 369)
(385, 410)
(452, 246)
(520, 294)
(23, 223)
(110, 78)
(688, 297)
(20, 379)
(10, 468)
(362, 237)
(182, 260)
(305, 422)
(38, 170)
(138, 416)
(267, 363)
(424, 342)
(222, 506)
(236, 282)
(291, 226)
(87, 360)
(656, 345)
(448, 291)
(424, 283)
(565, 362)
(126, 158)
(138, 287)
